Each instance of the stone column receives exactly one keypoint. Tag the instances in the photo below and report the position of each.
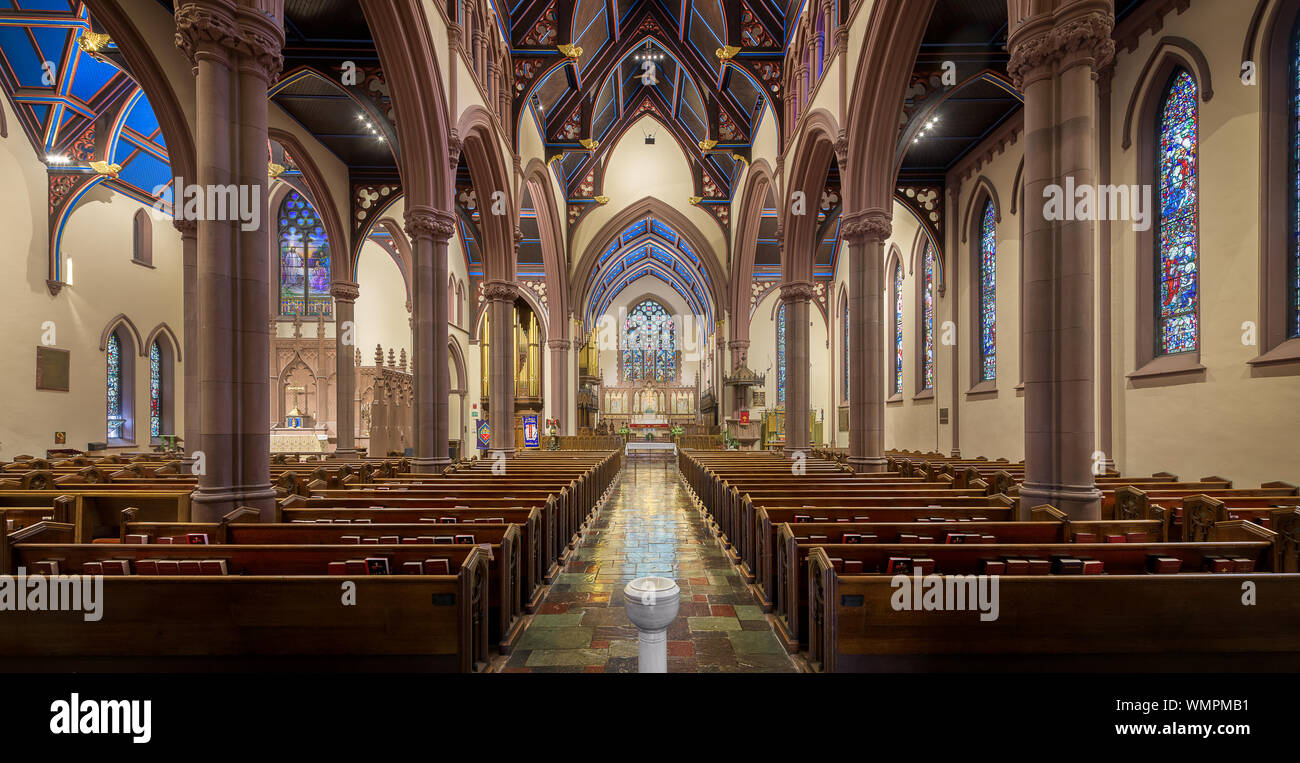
(190, 336)
(720, 370)
(866, 233)
(429, 230)
(796, 296)
(235, 48)
(345, 378)
(1054, 57)
(560, 381)
(501, 392)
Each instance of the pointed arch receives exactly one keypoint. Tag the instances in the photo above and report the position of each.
(120, 320)
(461, 385)
(983, 189)
(163, 351)
(759, 183)
(409, 59)
(537, 181)
(481, 151)
(815, 150)
(1168, 54)
(142, 238)
(322, 201)
(164, 331)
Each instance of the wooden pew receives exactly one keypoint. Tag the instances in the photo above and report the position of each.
(1109, 623)
(277, 616)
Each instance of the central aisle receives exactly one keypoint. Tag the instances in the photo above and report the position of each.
(648, 527)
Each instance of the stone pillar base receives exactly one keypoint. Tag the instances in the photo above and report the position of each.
(349, 453)
(429, 465)
(955, 453)
(211, 505)
(1079, 502)
(868, 464)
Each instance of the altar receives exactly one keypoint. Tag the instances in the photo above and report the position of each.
(650, 447)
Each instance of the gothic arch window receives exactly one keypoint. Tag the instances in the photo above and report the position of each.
(451, 299)
(141, 239)
(897, 350)
(162, 387)
(780, 356)
(119, 386)
(986, 299)
(460, 303)
(649, 344)
(1279, 310)
(304, 259)
(925, 319)
(844, 346)
(1176, 276)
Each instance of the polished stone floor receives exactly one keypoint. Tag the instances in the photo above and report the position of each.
(648, 527)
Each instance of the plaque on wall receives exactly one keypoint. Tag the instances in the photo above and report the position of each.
(52, 368)
(759, 398)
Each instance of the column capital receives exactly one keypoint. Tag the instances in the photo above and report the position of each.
(500, 291)
(871, 226)
(558, 344)
(344, 291)
(188, 228)
(797, 291)
(1043, 41)
(738, 344)
(429, 222)
(230, 29)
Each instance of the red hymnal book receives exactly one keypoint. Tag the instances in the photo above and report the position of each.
(923, 566)
(357, 567)
(1218, 564)
(852, 538)
(146, 567)
(841, 520)
(377, 565)
(1093, 567)
(116, 567)
(169, 567)
(1241, 564)
(448, 520)
(425, 539)
(428, 519)
(1163, 565)
(191, 567)
(48, 567)
(1115, 539)
(167, 540)
(443, 539)
(213, 566)
(899, 565)
(1017, 566)
(801, 518)
(992, 567)
(412, 568)
(925, 539)
(388, 539)
(196, 538)
(336, 568)
(362, 521)
(410, 540)
(464, 538)
(1085, 537)
(907, 538)
(497, 520)
(1136, 537)
(837, 563)
(817, 538)
(92, 568)
(1039, 567)
(437, 567)
(350, 539)
(137, 539)
(956, 538)
(852, 566)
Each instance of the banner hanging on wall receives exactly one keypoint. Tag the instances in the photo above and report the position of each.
(530, 431)
(484, 434)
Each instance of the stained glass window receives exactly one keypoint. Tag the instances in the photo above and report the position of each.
(845, 343)
(898, 328)
(988, 296)
(927, 318)
(780, 356)
(649, 344)
(1293, 281)
(304, 259)
(116, 424)
(1176, 173)
(155, 390)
